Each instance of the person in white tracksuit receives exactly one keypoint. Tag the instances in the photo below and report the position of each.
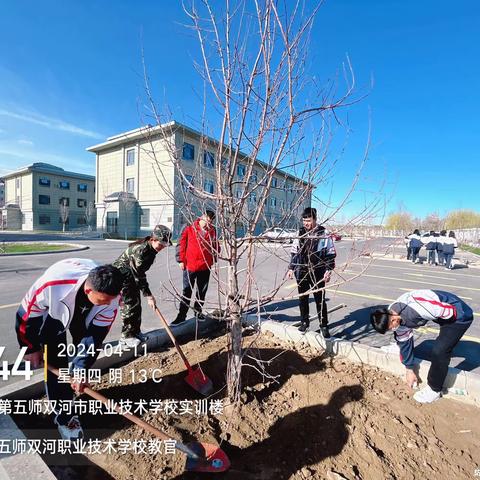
(75, 294)
(449, 246)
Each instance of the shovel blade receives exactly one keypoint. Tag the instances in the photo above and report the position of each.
(212, 458)
(199, 382)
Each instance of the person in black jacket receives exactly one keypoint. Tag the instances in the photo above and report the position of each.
(415, 244)
(313, 259)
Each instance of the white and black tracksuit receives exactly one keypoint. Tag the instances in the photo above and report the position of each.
(418, 307)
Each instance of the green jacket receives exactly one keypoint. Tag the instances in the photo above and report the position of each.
(135, 261)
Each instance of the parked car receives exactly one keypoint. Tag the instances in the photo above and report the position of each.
(336, 237)
(280, 235)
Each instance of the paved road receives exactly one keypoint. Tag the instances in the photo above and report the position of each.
(360, 282)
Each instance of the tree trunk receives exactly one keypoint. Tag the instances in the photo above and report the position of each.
(234, 366)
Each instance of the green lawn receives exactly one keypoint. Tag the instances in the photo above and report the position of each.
(31, 247)
(468, 248)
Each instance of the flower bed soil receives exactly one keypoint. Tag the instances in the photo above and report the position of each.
(311, 417)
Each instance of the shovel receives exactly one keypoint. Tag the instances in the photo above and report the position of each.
(195, 377)
(201, 457)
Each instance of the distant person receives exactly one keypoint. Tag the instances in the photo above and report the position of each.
(407, 246)
(449, 246)
(431, 246)
(134, 263)
(414, 309)
(312, 261)
(441, 240)
(75, 294)
(415, 244)
(197, 251)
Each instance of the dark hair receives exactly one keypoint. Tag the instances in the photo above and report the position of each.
(379, 320)
(451, 234)
(106, 279)
(416, 231)
(210, 214)
(443, 232)
(309, 212)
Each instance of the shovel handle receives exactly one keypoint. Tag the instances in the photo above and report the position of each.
(172, 338)
(134, 419)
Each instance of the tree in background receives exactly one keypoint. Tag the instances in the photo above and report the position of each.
(64, 213)
(400, 221)
(462, 219)
(432, 221)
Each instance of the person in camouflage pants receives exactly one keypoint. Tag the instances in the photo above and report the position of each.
(134, 263)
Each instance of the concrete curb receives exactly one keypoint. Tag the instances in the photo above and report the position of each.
(467, 384)
(77, 248)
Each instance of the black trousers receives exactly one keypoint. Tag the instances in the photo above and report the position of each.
(201, 279)
(312, 280)
(51, 332)
(443, 346)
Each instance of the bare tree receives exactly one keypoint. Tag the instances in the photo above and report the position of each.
(89, 213)
(64, 212)
(275, 125)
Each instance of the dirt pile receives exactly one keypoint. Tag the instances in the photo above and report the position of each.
(303, 417)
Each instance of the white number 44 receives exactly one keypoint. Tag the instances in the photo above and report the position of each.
(5, 372)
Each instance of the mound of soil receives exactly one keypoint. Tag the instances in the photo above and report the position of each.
(302, 416)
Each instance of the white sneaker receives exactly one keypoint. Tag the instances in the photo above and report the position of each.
(72, 430)
(427, 395)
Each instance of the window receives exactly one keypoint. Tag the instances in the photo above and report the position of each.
(44, 181)
(238, 193)
(145, 217)
(289, 187)
(82, 187)
(273, 201)
(130, 185)
(81, 203)
(274, 182)
(225, 163)
(254, 176)
(253, 197)
(241, 170)
(188, 151)
(209, 186)
(44, 219)
(65, 201)
(44, 199)
(130, 157)
(112, 222)
(64, 185)
(209, 159)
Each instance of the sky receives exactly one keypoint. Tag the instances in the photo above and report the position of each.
(71, 75)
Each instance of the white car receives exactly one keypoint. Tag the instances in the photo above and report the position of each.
(280, 235)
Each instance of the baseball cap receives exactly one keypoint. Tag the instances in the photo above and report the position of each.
(163, 233)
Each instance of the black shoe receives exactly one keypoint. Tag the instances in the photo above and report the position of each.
(200, 316)
(303, 327)
(325, 332)
(178, 321)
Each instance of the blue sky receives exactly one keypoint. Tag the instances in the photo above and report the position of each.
(71, 75)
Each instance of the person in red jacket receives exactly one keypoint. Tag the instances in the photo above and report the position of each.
(197, 251)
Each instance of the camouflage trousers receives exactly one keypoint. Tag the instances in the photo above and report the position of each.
(131, 309)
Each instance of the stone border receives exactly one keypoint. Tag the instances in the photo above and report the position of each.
(465, 384)
(78, 248)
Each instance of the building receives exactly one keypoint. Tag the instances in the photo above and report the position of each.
(2, 192)
(48, 197)
(139, 184)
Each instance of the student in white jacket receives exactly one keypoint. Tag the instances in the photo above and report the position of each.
(75, 294)
(449, 246)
